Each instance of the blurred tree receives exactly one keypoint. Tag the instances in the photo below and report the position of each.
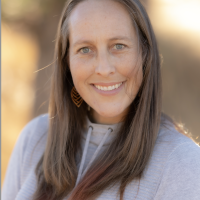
(40, 18)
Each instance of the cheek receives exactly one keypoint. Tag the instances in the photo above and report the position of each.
(76, 68)
(80, 70)
(131, 67)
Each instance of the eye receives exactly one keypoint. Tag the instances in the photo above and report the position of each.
(85, 50)
(119, 46)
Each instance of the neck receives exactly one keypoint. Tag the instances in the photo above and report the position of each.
(98, 119)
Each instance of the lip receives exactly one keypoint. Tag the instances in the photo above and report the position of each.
(107, 84)
(111, 92)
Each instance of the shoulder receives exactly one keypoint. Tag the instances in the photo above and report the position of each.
(39, 124)
(178, 148)
(34, 130)
(25, 156)
(31, 143)
(179, 171)
(173, 143)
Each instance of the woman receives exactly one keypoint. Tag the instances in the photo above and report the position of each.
(104, 137)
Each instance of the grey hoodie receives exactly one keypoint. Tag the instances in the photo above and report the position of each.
(173, 172)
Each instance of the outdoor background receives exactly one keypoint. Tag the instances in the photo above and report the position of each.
(28, 35)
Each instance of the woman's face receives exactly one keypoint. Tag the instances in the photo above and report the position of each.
(104, 58)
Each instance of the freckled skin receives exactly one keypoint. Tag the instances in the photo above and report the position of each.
(97, 22)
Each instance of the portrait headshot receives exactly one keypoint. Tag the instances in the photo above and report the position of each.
(100, 100)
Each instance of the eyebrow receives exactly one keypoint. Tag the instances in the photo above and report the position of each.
(81, 41)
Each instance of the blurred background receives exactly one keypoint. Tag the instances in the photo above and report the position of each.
(28, 35)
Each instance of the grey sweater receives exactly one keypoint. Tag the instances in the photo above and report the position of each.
(173, 172)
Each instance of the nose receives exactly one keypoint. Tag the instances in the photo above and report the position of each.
(104, 66)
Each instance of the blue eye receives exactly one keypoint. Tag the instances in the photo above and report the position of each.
(85, 50)
(119, 46)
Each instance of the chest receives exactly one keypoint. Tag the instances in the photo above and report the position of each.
(144, 189)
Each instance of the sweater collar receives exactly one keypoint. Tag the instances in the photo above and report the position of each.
(99, 130)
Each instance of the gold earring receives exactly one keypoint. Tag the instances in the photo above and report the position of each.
(76, 98)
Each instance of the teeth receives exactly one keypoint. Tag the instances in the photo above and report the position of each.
(108, 88)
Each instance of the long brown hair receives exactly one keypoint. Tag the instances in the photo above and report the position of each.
(128, 155)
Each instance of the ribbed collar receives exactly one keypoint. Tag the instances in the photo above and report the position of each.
(99, 130)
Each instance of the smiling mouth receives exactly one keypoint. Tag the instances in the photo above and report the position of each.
(108, 88)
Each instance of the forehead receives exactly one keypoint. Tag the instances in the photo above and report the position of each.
(95, 18)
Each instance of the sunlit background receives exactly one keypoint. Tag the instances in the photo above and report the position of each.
(28, 34)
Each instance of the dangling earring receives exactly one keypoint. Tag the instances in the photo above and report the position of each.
(76, 98)
(88, 108)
